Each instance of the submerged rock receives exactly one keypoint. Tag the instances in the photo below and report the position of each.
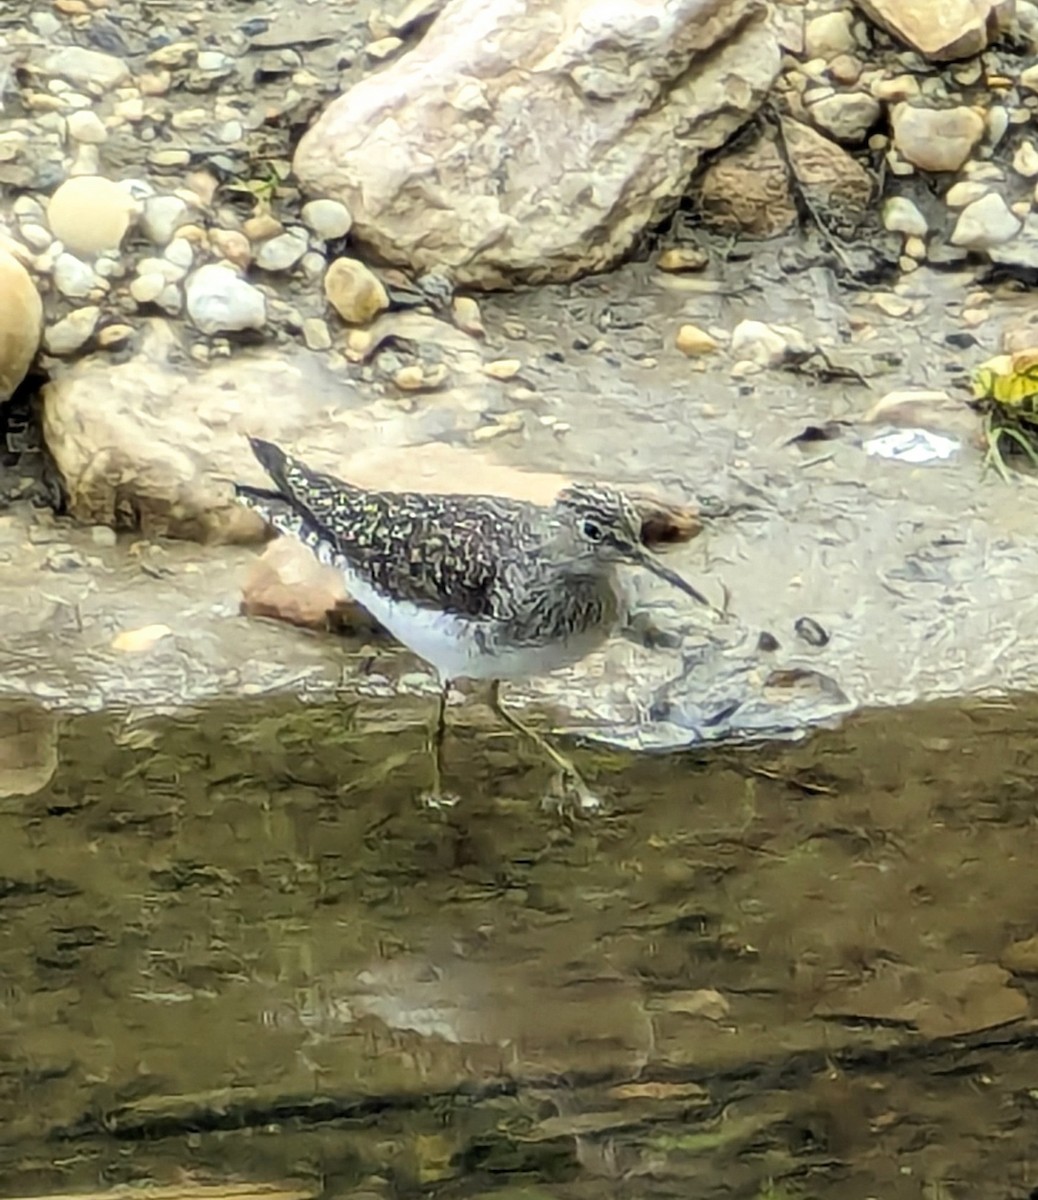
(551, 168)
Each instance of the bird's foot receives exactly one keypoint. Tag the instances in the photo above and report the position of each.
(438, 799)
(571, 797)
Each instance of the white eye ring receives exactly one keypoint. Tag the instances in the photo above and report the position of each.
(591, 531)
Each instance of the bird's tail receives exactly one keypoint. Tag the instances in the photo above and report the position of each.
(301, 502)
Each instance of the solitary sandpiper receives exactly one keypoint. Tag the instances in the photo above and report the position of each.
(480, 587)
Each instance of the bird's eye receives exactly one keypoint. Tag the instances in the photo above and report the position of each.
(592, 531)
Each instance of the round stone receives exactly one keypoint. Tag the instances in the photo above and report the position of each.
(327, 218)
(355, 292)
(147, 288)
(89, 214)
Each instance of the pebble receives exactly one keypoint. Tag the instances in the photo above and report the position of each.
(964, 192)
(72, 332)
(72, 277)
(35, 236)
(984, 223)
(900, 215)
(848, 116)
(1025, 161)
(683, 258)
(169, 158)
(154, 83)
(113, 336)
(502, 368)
(756, 342)
(893, 306)
(169, 271)
(996, 122)
(467, 317)
(845, 69)
(234, 246)
(901, 87)
(161, 218)
(829, 34)
(354, 291)
(175, 54)
(191, 119)
(89, 214)
(87, 67)
(230, 132)
(262, 227)
(283, 252)
(1028, 79)
(327, 218)
(170, 300)
(692, 340)
(181, 254)
(219, 301)
(87, 126)
(103, 535)
(316, 334)
(415, 378)
(936, 139)
(213, 60)
(383, 48)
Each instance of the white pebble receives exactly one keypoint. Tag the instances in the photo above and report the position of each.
(218, 301)
(281, 252)
(73, 277)
(162, 216)
(327, 218)
(35, 236)
(985, 223)
(180, 253)
(900, 215)
(69, 334)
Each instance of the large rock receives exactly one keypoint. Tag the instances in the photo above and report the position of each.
(21, 322)
(533, 140)
(940, 30)
(747, 191)
(153, 444)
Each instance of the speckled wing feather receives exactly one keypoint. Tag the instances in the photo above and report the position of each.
(438, 551)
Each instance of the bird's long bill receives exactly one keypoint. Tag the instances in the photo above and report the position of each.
(651, 563)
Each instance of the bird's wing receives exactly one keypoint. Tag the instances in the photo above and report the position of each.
(437, 551)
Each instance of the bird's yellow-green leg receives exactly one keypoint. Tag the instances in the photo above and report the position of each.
(588, 800)
(437, 734)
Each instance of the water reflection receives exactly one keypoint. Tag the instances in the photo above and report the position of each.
(234, 946)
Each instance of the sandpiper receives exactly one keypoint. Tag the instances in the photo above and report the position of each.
(480, 587)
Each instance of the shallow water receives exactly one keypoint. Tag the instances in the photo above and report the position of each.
(234, 945)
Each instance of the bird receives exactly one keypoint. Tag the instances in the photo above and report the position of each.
(481, 587)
